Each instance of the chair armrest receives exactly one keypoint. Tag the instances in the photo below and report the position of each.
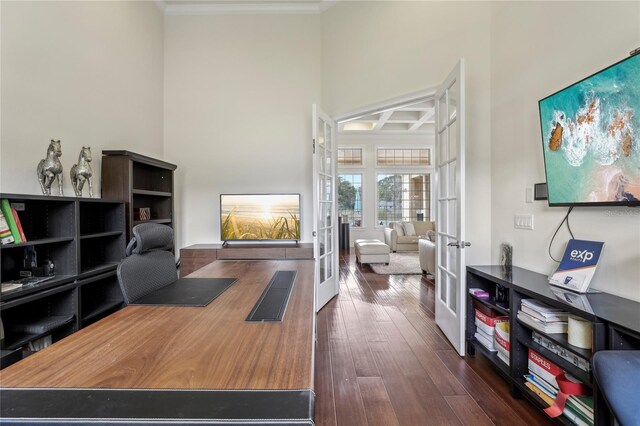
(391, 238)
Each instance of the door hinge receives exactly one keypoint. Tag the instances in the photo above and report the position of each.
(314, 233)
(314, 146)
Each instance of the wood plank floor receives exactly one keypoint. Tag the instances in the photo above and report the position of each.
(381, 360)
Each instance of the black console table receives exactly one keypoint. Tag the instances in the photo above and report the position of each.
(615, 323)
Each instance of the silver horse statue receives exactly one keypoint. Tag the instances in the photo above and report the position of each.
(81, 172)
(50, 168)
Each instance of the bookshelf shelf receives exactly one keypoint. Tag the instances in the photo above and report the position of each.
(37, 242)
(492, 356)
(105, 306)
(581, 375)
(605, 312)
(151, 193)
(491, 303)
(83, 237)
(140, 181)
(538, 402)
(101, 235)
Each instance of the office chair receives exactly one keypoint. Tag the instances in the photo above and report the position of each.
(618, 374)
(149, 264)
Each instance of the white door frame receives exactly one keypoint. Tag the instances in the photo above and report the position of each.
(325, 211)
(451, 289)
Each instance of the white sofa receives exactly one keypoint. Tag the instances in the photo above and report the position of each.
(427, 254)
(398, 235)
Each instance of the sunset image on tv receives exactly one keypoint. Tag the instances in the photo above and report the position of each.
(260, 217)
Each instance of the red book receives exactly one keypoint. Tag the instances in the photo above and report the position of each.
(543, 367)
(491, 322)
(18, 224)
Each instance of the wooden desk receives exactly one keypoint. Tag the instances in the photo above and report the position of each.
(186, 348)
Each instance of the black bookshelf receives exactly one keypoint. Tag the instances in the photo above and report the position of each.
(85, 240)
(615, 322)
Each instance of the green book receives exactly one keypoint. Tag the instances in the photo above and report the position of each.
(8, 215)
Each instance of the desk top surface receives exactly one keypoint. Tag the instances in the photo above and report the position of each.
(212, 347)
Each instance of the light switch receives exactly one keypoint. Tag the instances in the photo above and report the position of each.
(523, 221)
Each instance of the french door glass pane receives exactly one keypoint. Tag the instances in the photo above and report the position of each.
(451, 179)
(320, 132)
(453, 140)
(453, 283)
(323, 164)
(444, 156)
(442, 104)
(454, 95)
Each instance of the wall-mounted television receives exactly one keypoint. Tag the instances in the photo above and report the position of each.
(254, 217)
(591, 139)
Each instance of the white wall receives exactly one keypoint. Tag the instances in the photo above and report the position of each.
(238, 95)
(373, 51)
(87, 73)
(536, 49)
(369, 143)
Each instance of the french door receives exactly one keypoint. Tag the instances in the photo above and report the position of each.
(450, 204)
(325, 212)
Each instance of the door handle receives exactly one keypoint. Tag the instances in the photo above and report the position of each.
(459, 245)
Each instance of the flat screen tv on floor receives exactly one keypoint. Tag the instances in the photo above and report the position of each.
(591, 139)
(259, 217)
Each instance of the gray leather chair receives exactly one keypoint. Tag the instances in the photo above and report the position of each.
(149, 264)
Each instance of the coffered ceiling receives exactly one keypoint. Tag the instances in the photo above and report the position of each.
(418, 117)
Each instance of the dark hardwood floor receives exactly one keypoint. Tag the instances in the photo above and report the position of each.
(381, 360)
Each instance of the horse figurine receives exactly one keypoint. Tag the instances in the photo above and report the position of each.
(50, 168)
(81, 172)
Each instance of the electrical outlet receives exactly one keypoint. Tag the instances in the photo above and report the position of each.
(523, 221)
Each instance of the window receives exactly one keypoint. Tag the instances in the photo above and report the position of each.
(403, 197)
(403, 156)
(350, 157)
(350, 197)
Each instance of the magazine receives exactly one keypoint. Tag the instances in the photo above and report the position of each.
(578, 265)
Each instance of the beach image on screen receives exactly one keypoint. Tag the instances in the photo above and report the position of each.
(260, 217)
(591, 136)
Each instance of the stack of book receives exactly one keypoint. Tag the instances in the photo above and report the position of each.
(562, 352)
(542, 317)
(542, 381)
(485, 328)
(10, 227)
(501, 340)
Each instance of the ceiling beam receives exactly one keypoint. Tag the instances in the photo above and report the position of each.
(383, 119)
(423, 119)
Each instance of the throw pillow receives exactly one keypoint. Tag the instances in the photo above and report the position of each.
(431, 235)
(409, 229)
(399, 229)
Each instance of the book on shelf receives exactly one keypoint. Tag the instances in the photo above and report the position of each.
(555, 317)
(501, 340)
(562, 352)
(16, 218)
(578, 265)
(545, 327)
(504, 358)
(485, 340)
(5, 207)
(8, 286)
(543, 368)
(5, 233)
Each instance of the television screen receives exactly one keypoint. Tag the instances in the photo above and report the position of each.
(591, 138)
(259, 217)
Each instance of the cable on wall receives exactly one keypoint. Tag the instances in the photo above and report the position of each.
(566, 219)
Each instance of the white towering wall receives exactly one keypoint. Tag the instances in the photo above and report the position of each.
(238, 95)
(373, 51)
(87, 73)
(538, 48)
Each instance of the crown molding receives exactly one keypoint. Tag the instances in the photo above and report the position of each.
(302, 8)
